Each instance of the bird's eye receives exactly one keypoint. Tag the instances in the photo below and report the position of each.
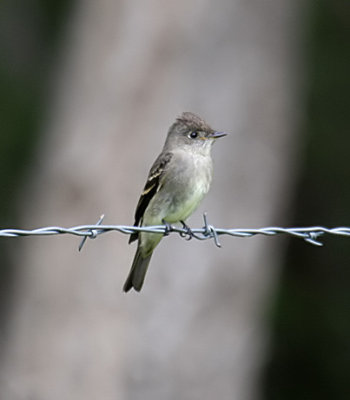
(193, 135)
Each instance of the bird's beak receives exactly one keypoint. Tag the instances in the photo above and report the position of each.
(216, 135)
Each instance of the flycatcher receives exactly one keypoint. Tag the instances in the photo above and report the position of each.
(176, 184)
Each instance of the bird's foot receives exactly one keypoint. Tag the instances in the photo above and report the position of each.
(188, 234)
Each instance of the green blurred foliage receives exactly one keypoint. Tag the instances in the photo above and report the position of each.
(29, 33)
(310, 356)
(29, 39)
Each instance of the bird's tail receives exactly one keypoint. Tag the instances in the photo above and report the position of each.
(137, 272)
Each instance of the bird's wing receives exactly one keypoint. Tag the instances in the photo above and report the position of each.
(152, 186)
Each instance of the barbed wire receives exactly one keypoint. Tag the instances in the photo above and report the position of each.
(208, 231)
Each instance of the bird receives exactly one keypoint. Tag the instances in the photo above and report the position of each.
(177, 182)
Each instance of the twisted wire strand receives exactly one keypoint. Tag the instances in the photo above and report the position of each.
(208, 231)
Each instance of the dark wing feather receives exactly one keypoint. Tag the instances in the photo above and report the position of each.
(151, 188)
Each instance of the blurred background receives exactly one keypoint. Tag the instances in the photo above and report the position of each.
(88, 91)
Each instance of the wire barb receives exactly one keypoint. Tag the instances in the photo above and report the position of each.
(209, 231)
(309, 234)
(93, 233)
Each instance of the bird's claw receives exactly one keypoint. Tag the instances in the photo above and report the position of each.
(188, 234)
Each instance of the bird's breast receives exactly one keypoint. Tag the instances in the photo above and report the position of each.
(187, 186)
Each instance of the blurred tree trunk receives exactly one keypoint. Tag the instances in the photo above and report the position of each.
(196, 330)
